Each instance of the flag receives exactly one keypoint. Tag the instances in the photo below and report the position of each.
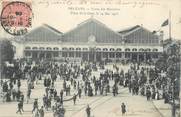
(165, 23)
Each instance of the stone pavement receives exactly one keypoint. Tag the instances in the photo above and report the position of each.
(101, 106)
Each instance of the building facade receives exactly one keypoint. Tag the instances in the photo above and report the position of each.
(92, 41)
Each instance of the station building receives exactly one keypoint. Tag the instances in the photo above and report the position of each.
(92, 41)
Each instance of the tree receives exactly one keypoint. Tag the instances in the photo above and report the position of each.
(6, 54)
(6, 50)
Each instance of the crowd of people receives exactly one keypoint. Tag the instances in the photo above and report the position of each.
(79, 78)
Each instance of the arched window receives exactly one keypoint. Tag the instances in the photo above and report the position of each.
(28, 48)
(48, 48)
(127, 49)
(111, 49)
(85, 49)
(71, 49)
(148, 49)
(64, 49)
(55, 48)
(141, 50)
(155, 50)
(41, 48)
(105, 49)
(34, 48)
(98, 49)
(119, 49)
(134, 49)
(78, 49)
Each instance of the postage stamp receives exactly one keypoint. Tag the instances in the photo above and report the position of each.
(16, 17)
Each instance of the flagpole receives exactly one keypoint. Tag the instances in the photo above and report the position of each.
(173, 96)
(170, 35)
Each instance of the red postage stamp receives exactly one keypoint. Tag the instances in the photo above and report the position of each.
(16, 17)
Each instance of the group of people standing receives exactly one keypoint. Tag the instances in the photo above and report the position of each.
(80, 79)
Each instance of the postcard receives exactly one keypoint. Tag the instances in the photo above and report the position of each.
(90, 58)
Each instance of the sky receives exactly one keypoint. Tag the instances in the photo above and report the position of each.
(64, 17)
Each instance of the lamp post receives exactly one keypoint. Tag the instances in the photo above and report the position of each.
(173, 98)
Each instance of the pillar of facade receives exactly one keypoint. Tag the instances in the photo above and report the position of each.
(68, 54)
(119, 55)
(138, 55)
(60, 54)
(150, 56)
(145, 57)
(101, 56)
(74, 54)
(95, 56)
(31, 54)
(114, 55)
(57, 55)
(106, 55)
(81, 55)
(52, 56)
(131, 55)
(45, 55)
(38, 54)
(88, 55)
(123, 55)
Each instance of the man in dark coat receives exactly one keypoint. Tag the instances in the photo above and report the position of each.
(74, 98)
(20, 107)
(148, 94)
(79, 92)
(88, 111)
(123, 108)
(35, 105)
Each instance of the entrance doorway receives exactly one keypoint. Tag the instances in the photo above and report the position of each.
(84, 56)
(141, 57)
(91, 56)
(42, 55)
(48, 56)
(134, 56)
(34, 55)
(98, 56)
